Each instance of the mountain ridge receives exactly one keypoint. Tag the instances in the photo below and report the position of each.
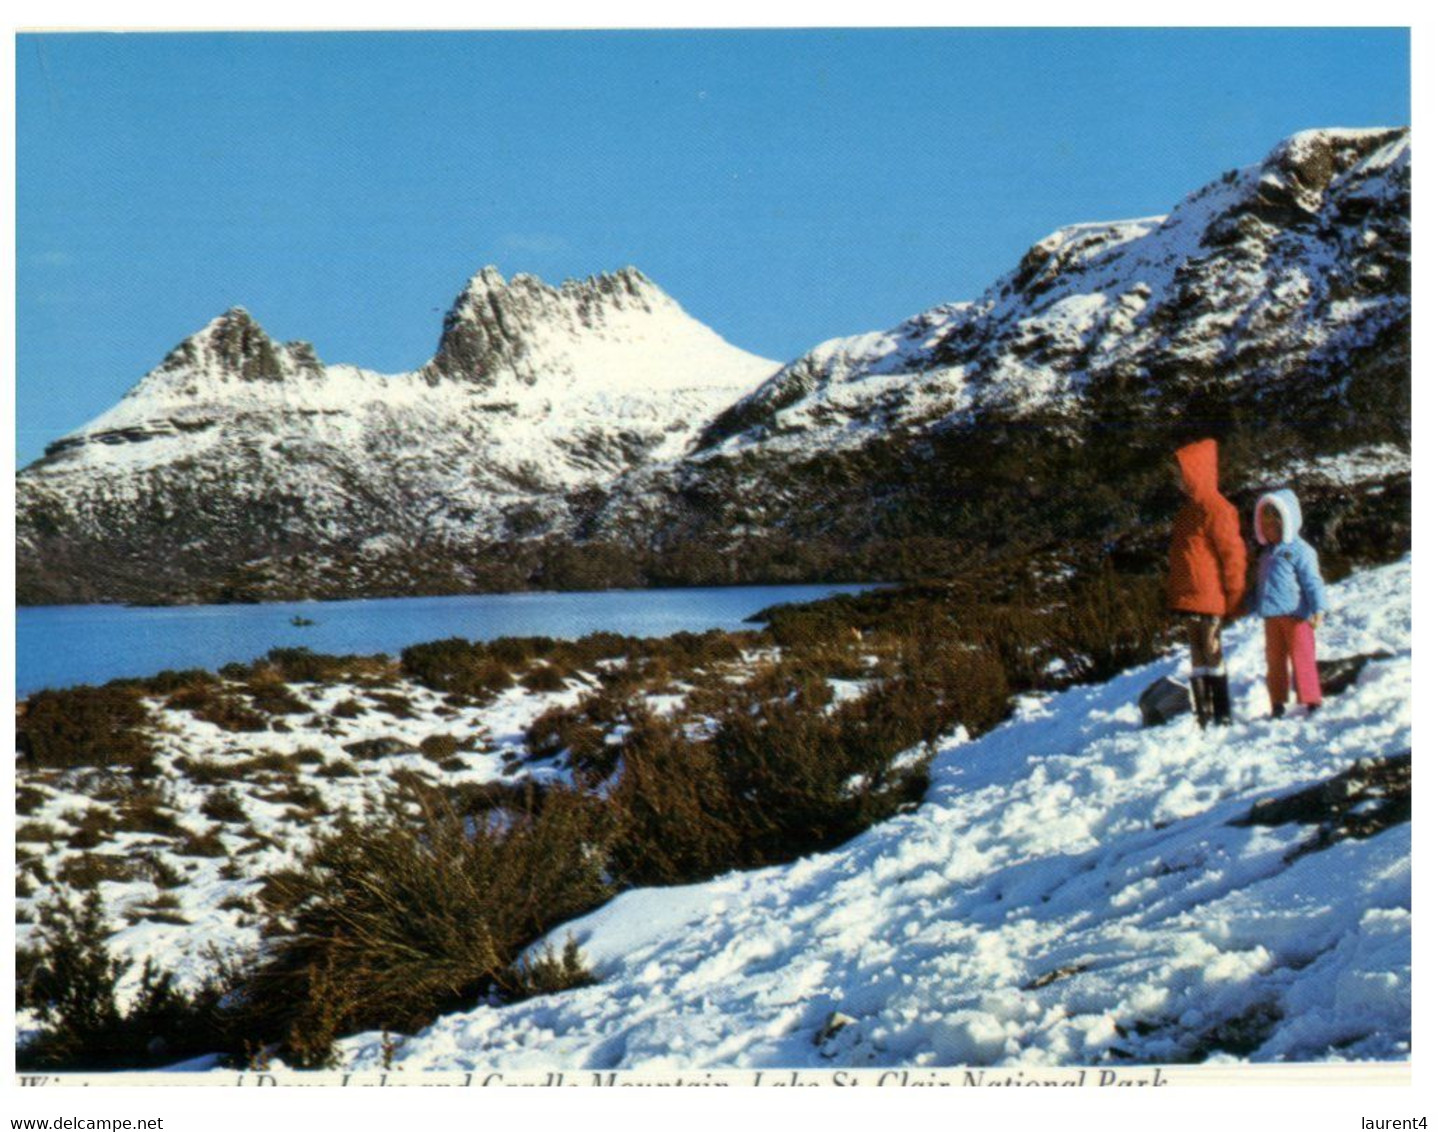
(593, 434)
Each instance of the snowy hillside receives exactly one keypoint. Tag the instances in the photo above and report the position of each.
(1274, 302)
(1073, 890)
(1299, 253)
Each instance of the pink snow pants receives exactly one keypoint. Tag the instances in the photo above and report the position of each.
(1290, 643)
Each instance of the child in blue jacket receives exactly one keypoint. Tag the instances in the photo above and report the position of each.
(1290, 597)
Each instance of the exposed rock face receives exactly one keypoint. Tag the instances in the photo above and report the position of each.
(497, 328)
(595, 425)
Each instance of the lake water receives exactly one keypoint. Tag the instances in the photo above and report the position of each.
(57, 646)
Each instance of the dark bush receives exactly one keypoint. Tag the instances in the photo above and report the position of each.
(207, 844)
(438, 747)
(543, 678)
(675, 814)
(172, 680)
(84, 726)
(550, 972)
(300, 665)
(91, 828)
(573, 730)
(224, 806)
(394, 704)
(217, 705)
(273, 697)
(212, 772)
(85, 871)
(28, 799)
(70, 981)
(457, 666)
(393, 921)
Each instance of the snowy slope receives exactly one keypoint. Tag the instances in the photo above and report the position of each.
(1070, 892)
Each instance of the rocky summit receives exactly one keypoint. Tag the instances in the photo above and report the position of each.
(593, 434)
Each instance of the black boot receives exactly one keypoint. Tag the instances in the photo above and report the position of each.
(1202, 704)
(1218, 697)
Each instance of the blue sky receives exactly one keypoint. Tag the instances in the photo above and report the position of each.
(785, 187)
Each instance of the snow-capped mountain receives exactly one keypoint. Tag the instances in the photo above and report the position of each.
(1274, 300)
(237, 448)
(593, 434)
(1302, 258)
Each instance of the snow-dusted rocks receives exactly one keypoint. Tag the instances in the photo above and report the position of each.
(1273, 302)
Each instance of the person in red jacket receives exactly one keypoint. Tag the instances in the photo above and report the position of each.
(1207, 570)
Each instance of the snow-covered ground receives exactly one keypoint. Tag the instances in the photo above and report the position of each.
(347, 753)
(1070, 892)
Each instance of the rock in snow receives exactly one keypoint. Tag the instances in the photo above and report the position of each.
(1073, 890)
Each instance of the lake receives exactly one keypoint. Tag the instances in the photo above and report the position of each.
(60, 645)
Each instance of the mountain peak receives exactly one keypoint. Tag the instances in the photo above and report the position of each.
(529, 328)
(232, 347)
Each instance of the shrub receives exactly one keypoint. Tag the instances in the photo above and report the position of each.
(544, 678)
(273, 697)
(457, 666)
(172, 680)
(390, 922)
(575, 731)
(1112, 623)
(674, 810)
(223, 708)
(207, 844)
(146, 811)
(300, 665)
(224, 806)
(213, 772)
(91, 828)
(394, 704)
(85, 871)
(439, 747)
(84, 726)
(69, 982)
(348, 708)
(38, 831)
(28, 799)
(548, 972)
(162, 874)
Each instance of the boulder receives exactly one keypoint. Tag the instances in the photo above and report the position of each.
(1338, 675)
(1163, 700)
(381, 748)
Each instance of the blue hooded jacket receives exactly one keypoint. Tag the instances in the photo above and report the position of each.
(1289, 584)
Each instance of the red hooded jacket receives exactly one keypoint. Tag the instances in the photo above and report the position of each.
(1207, 561)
